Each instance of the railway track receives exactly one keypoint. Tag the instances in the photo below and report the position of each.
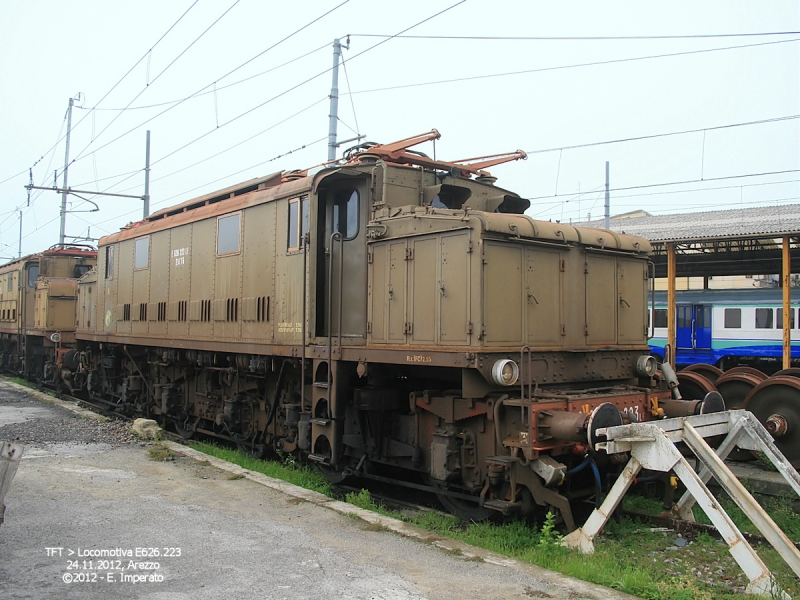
(426, 502)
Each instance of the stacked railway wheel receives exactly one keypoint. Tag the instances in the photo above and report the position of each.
(775, 402)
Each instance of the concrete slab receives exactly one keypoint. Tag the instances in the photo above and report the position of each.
(75, 523)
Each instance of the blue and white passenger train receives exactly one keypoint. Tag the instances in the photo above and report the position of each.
(726, 327)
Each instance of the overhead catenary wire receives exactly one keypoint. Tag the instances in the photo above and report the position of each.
(252, 137)
(670, 133)
(210, 85)
(164, 70)
(220, 87)
(565, 38)
(651, 185)
(561, 67)
(128, 72)
(296, 86)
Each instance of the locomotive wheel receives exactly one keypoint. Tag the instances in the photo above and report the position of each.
(710, 372)
(747, 370)
(694, 386)
(776, 404)
(334, 475)
(184, 429)
(464, 509)
(734, 388)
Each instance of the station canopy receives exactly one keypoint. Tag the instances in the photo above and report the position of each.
(741, 241)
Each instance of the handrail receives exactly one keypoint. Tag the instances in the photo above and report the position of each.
(334, 237)
(523, 351)
(303, 324)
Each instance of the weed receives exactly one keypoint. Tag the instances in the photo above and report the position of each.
(235, 476)
(548, 536)
(159, 452)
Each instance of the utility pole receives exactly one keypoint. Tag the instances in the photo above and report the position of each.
(66, 169)
(608, 202)
(19, 250)
(333, 116)
(146, 196)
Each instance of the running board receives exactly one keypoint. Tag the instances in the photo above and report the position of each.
(652, 446)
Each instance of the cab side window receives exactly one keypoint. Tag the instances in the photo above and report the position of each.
(298, 223)
(345, 214)
(109, 262)
(33, 275)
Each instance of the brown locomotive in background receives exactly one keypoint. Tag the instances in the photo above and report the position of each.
(393, 317)
(37, 309)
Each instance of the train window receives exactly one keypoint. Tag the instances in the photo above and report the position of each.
(345, 214)
(298, 222)
(660, 317)
(779, 319)
(141, 257)
(733, 318)
(10, 282)
(684, 317)
(228, 230)
(109, 262)
(33, 275)
(764, 318)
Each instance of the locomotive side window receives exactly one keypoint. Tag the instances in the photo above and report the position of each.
(298, 222)
(33, 274)
(109, 262)
(779, 319)
(141, 255)
(763, 318)
(345, 214)
(733, 318)
(228, 233)
(10, 282)
(660, 317)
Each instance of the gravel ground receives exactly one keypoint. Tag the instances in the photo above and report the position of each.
(58, 424)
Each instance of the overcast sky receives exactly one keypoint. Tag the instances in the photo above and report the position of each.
(485, 96)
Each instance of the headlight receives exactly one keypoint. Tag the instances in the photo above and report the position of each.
(505, 372)
(646, 366)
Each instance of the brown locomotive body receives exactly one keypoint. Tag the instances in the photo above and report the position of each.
(393, 318)
(38, 299)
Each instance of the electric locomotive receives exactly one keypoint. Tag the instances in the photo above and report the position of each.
(391, 317)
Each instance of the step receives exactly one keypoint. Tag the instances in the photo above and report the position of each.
(503, 506)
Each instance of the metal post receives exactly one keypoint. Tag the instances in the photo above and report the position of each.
(66, 169)
(608, 203)
(333, 116)
(19, 251)
(787, 303)
(146, 196)
(671, 301)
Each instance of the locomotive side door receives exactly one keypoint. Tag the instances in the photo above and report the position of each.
(342, 209)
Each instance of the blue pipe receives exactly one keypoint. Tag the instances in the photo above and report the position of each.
(598, 486)
(580, 467)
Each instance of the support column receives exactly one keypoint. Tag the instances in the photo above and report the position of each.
(787, 304)
(671, 300)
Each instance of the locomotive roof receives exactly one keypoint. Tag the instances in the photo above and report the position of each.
(17, 263)
(242, 195)
(734, 297)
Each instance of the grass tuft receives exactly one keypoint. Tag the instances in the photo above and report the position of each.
(159, 452)
(288, 470)
(628, 557)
